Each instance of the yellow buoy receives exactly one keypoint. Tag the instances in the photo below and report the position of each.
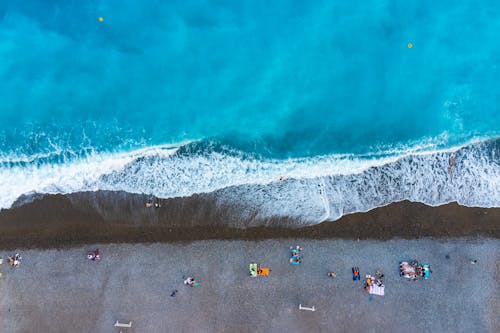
(101, 19)
(410, 45)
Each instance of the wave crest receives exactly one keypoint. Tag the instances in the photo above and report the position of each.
(315, 189)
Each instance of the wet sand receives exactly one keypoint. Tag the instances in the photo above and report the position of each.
(57, 221)
(62, 291)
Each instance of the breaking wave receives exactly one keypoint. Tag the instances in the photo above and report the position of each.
(312, 189)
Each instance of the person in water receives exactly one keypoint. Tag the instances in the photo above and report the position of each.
(451, 163)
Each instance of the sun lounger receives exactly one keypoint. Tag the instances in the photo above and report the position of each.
(253, 269)
(256, 270)
(306, 308)
(118, 324)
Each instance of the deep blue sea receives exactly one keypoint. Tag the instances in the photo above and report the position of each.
(355, 104)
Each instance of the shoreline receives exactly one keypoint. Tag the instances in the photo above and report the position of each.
(58, 221)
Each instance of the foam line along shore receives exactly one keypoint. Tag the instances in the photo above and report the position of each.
(308, 189)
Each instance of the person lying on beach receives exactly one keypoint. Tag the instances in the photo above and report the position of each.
(94, 255)
(14, 261)
(296, 250)
(189, 281)
(295, 260)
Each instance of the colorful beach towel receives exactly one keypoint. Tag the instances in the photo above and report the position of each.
(377, 290)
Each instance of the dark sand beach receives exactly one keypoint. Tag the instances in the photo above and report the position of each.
(56, 221)
(62, 291)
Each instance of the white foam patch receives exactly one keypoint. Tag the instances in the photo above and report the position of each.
(474, 181)
(202, 173)
(78, 175)
(186, 175)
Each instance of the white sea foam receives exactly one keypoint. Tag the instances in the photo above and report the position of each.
(314, 189)
(77, 175)
(474, 181)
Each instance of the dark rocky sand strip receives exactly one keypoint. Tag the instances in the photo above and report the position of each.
(55, 221)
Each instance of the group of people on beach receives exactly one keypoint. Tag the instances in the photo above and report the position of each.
(15, 261)
(152, 203)
(371, 280)
(189, 281)
(94, 255)
(296, 257)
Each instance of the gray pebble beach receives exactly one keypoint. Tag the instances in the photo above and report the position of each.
(63, 291)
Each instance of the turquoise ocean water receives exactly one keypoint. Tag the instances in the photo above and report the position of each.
(180, 97)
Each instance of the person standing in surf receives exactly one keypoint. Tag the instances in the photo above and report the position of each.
(451, 163)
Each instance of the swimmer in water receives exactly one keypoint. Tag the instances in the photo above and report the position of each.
(451, 163)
